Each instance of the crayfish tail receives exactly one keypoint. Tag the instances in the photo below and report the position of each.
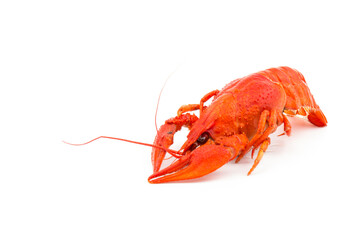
(317, 117)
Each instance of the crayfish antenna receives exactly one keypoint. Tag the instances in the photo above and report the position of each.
(174, 153)
(157, 105)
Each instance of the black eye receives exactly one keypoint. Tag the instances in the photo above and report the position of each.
(203, 138)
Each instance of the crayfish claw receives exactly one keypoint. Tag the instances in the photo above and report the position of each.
(198, 163)
(165, 137)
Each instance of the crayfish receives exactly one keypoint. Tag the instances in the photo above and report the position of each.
(240, 118)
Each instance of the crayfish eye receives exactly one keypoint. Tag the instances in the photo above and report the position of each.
(203, 138)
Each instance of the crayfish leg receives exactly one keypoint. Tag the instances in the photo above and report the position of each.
(206, 98)
(264, 145)
(268, 122)
(188, 108)
(261, 132)
(287, 126)
(201, 107)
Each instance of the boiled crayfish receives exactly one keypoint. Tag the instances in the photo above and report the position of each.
(240, 118)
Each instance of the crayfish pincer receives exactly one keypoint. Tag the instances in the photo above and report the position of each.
(240, 118)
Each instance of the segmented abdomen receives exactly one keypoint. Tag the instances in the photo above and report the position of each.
(298, 95)
(299, 99)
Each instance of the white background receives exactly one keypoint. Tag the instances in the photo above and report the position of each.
(75, 70)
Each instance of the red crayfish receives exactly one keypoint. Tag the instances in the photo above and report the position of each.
(240, 118)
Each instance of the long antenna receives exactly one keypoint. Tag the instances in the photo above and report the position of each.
(157, 105)
(170, 151)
